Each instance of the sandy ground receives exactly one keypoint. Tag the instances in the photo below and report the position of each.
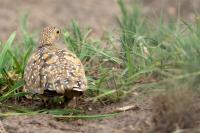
(100, 15)
(133, 121)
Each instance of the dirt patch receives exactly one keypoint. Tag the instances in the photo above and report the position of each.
(157, 112)
(135, 120)
(126, 122)
(174, 110)
(100, 15)
(96, 14)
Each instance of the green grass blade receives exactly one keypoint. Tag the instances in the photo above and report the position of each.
(88, 117)
(5, 49)
(62, 111)
(13, 89)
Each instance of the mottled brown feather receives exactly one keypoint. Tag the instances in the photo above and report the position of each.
(53, 69)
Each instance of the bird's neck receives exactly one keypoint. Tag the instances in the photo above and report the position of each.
(46, 45)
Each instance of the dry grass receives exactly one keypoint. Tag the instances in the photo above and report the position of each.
(175, 110)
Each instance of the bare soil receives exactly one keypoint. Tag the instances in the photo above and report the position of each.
(100, 15)
(134, 120)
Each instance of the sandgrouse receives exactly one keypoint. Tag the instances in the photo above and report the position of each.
(54, 71)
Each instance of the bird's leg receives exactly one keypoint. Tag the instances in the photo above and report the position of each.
(45, 100)
(32, 98)
(66, 102)
(70, 103)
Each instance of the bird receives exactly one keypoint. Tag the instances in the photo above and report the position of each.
(52, 70)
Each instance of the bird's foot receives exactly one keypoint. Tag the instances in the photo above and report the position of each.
(71, 103)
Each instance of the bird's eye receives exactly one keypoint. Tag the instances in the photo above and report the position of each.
(58, 32)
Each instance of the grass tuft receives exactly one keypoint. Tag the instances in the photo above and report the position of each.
(164, 52)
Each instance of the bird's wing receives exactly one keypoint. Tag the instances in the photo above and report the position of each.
(32, 73)
(64, 72)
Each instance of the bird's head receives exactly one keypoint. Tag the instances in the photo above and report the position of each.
(49, 35)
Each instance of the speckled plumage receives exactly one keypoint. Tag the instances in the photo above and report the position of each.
(54, 69)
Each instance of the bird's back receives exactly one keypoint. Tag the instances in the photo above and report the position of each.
(56, 70)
